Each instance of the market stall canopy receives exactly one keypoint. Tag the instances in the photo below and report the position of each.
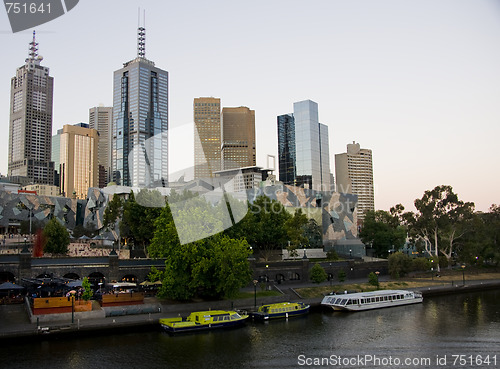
(10, 286)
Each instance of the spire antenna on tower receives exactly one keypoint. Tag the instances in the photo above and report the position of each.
(141, 36)
(33, 48)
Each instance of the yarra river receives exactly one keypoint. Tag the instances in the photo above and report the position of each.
(456, 331)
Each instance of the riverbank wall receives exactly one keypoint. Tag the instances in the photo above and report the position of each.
(127, 321)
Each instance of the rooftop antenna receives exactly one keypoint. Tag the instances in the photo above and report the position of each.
(141, 35)
(33, 48)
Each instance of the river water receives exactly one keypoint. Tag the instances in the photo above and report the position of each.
(443, 332)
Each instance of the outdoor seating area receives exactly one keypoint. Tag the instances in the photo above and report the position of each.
(118, 299)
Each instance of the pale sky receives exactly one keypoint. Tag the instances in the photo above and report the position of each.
(418, 82)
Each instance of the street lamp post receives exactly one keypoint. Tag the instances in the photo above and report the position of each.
(255, 293)
(463, 274)
(377, 273)
(350, 253)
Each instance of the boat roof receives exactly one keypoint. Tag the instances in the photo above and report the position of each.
(281, 304)
(214, 312)
(371, 293)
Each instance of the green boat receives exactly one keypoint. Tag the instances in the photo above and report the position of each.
(204, 320)
(280, 310)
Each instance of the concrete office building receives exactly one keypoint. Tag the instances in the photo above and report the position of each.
(303, 156)
(238, 138)
(140, 122)
(78, 160)
(101, 119)
(207, 138)
(354, 175)
(30, 131)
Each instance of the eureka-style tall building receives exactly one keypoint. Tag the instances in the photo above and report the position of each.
(238, 138)
(354, 174)
(101, 119)
(30, 131)
(78, 165)
(207, 138)
(303, 148)
(140, 122)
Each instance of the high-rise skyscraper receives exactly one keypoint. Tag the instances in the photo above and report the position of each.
(286, 148)
(30, 132)
(238, 137)
(101, 119)
(303, 146)
(354, 174)
(140, 122)
(207, 139)
(78, 159)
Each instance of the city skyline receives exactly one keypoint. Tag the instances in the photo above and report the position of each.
(417, 83)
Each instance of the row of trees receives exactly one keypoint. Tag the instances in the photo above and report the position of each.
(443, 226)
(214, 266)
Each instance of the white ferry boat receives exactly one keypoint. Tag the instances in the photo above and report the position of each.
(371, 300)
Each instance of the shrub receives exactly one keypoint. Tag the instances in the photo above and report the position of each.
(373, 279)
(318, 274)
(420, 265)
(341, 275)
(399, 265)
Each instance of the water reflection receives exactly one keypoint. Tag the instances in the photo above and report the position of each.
(457, 324)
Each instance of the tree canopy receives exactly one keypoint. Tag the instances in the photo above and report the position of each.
(214, 267)
(57, 237)
(382, 231)
(441, 219)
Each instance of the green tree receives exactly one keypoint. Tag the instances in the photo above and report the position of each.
(318, 274)
(313, 233)
(399, 265)
(264, 226)
(213, 267)
(113, 212)
(332, 255)
(88, 231)
(87, 289)
(421, 265)
(341, 275)
(57, 237)
(35, 226)
(441, 219)
(295, 231)
(373, 279)
(382, 231)
(139, 216)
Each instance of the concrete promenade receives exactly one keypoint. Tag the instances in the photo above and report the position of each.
(15, 322)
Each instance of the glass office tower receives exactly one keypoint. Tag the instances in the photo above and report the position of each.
(30, 132)
(286, 148)
(140, 124)
(309, 143)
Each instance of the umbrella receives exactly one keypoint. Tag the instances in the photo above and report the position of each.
(75, 283)
(157, 282)
(10, 286)
(146, 283)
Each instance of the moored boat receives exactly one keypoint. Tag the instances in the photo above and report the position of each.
(371, 300)
(280, 310)
(204, 320)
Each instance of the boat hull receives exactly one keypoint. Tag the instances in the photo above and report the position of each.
(371, 300)
(197, 327)
(380, 305)
(285, 315)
